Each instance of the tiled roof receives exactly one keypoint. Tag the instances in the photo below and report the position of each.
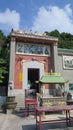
(65, 50)
(52, 78)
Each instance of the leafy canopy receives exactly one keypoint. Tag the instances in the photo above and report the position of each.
(65, 39)
(4, 58)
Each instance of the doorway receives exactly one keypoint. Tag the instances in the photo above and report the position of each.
(33, 76)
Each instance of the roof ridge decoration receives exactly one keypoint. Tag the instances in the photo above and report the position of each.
(32, 34)
(53, 73)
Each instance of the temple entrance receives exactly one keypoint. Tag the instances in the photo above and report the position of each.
(33, 76)
(33, 87)
(32, 72)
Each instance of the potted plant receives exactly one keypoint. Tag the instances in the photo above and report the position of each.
(9, 105)
(10, 99)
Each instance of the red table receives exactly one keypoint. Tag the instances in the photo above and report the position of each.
(40, 110)
(29, 102)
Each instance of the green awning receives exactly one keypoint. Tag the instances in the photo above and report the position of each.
(53, 78)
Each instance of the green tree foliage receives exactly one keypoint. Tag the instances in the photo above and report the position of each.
(54, 33)
(65, 39)
(4, 58)
(2, 39)
(2, 69)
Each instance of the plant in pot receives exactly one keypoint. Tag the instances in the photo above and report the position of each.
(10, 104)
(10, 99)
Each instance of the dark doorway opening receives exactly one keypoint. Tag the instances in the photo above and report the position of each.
(33, 87)
(33, 76)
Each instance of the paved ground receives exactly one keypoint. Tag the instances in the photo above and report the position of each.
(18, 122)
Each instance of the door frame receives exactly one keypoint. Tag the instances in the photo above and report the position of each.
(31, 64)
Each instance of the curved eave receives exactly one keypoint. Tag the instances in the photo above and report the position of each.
(53, 78)
(53, 82)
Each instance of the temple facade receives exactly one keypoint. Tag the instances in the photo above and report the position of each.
(31, 56)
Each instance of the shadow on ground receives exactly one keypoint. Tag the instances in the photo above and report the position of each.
(29, 127)
(59, 126)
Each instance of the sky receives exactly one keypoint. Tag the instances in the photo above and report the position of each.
(36, 15)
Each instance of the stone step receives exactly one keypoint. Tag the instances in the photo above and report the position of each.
(20, 101)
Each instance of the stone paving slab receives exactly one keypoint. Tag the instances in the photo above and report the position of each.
(19, 122)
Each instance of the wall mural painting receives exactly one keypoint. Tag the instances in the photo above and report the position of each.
(32, 49)
(68, 62)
